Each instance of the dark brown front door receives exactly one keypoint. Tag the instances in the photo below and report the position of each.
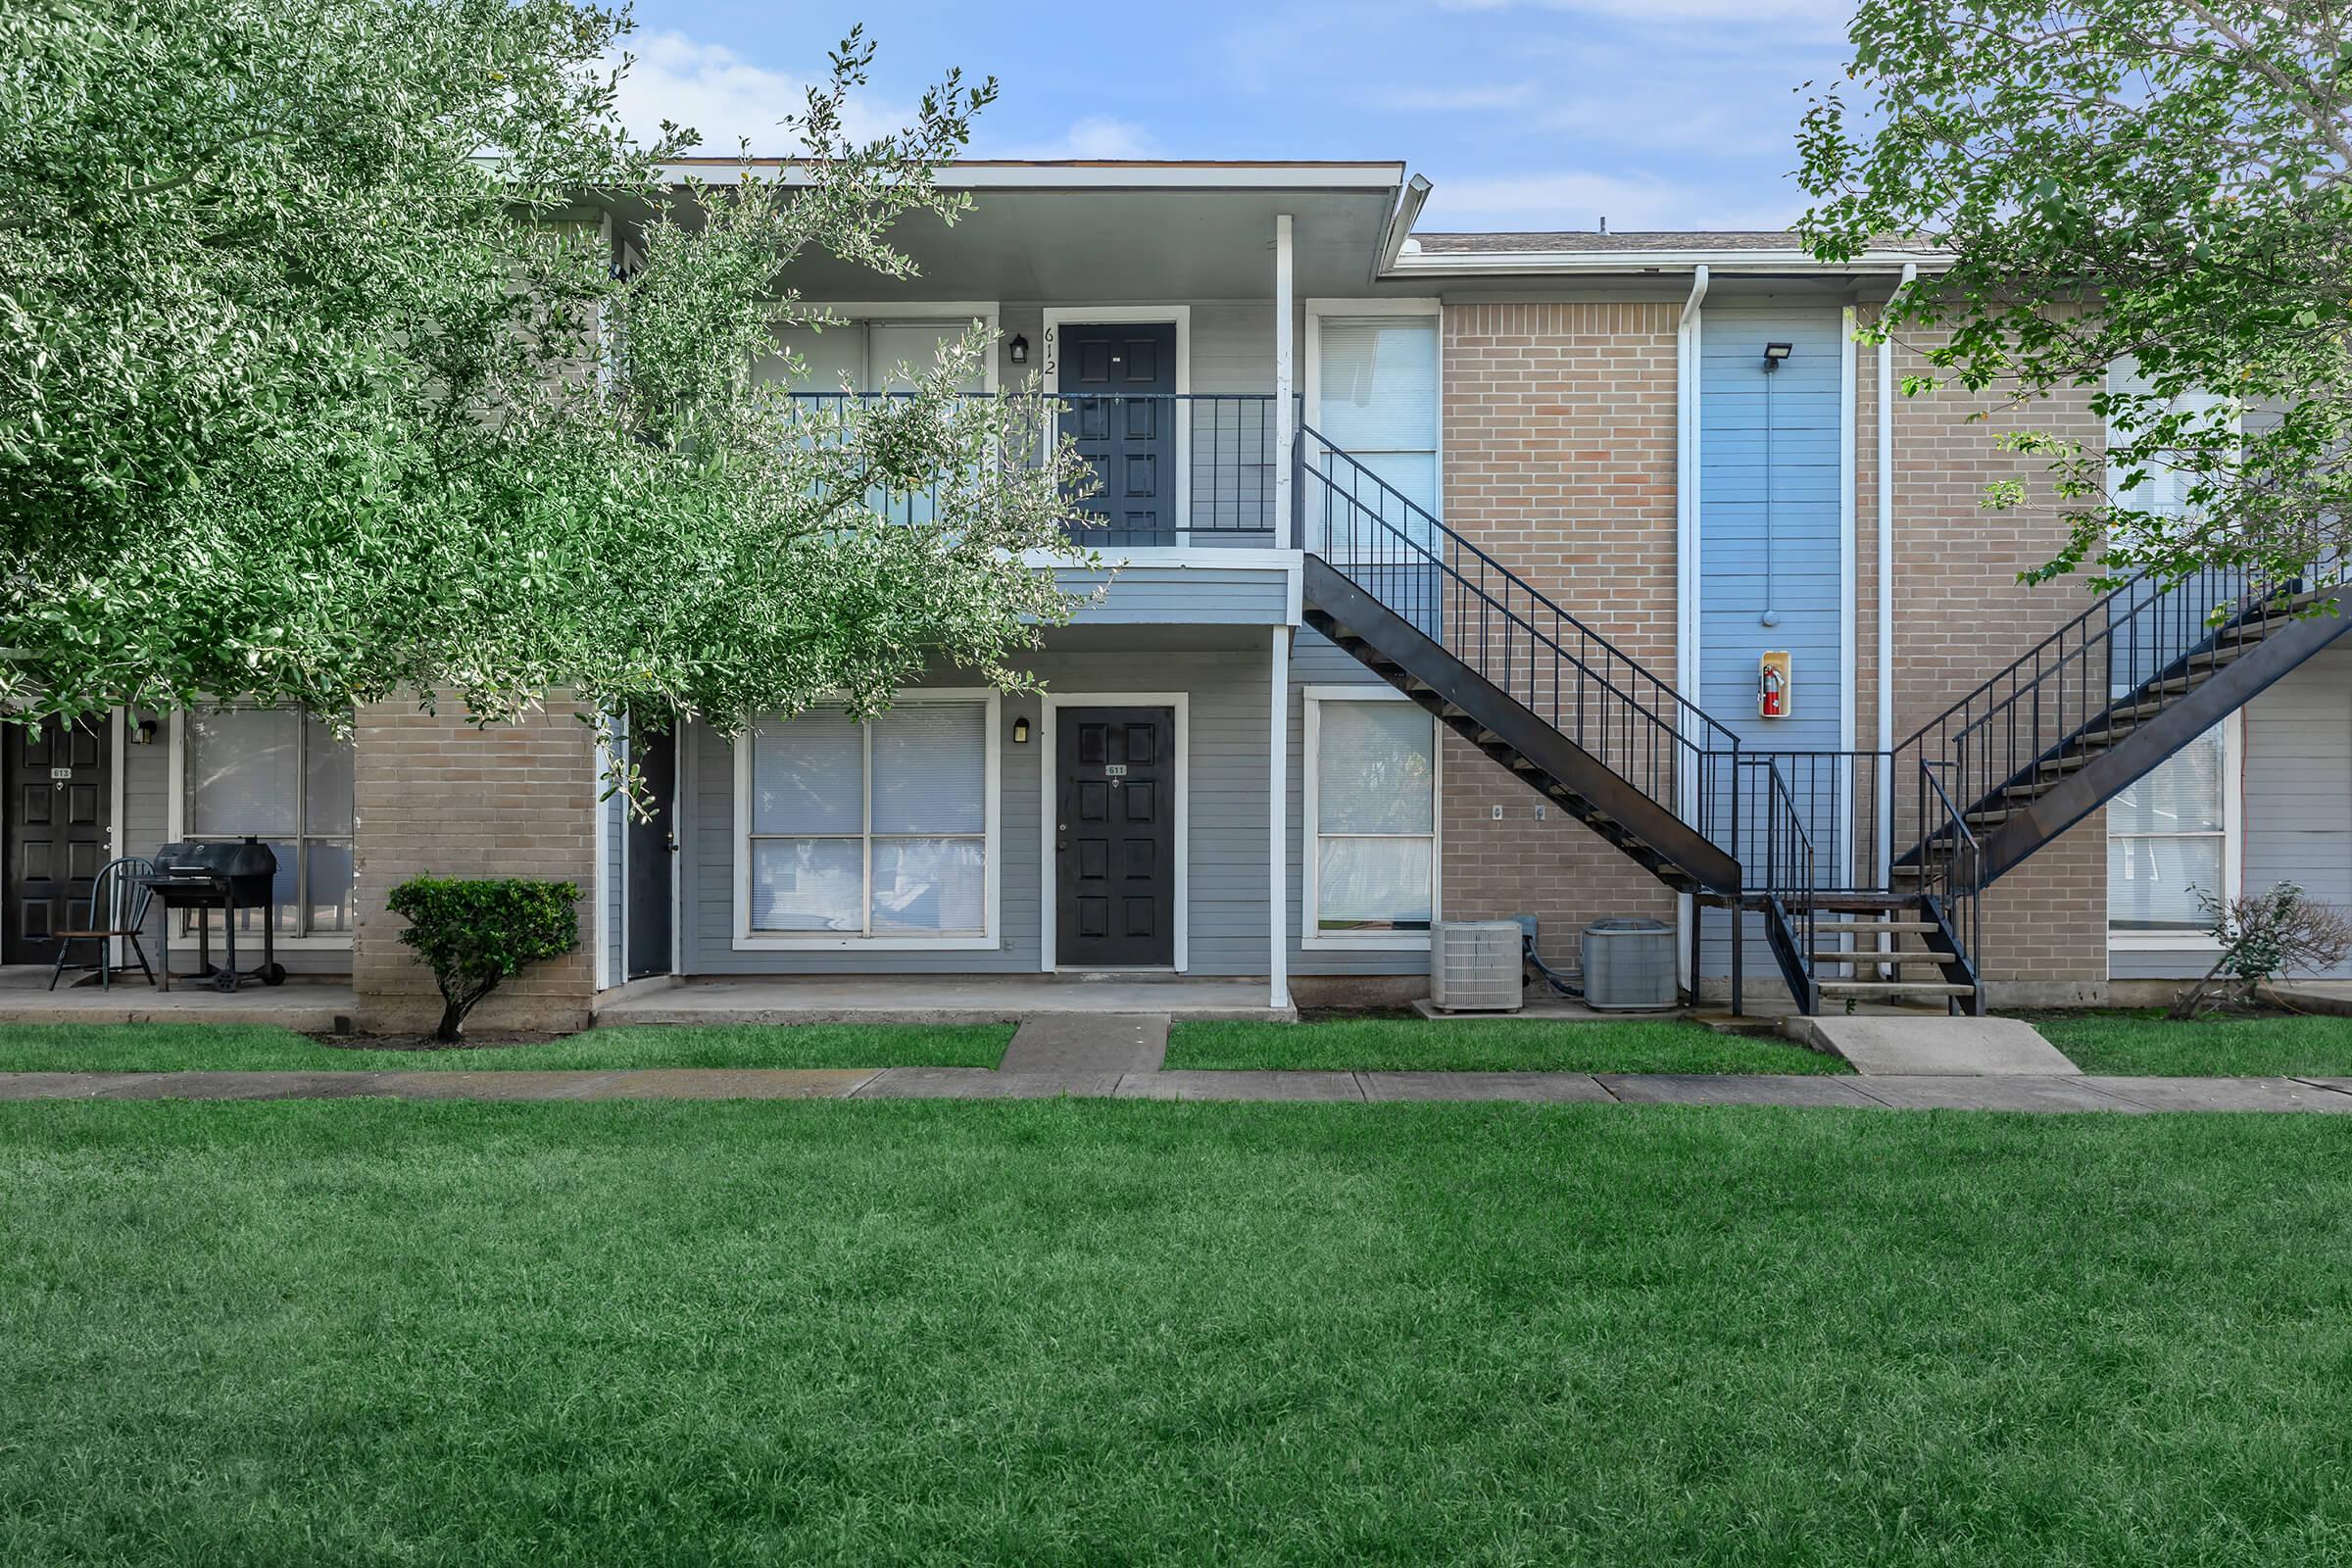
(1115, 838)
(58, 809)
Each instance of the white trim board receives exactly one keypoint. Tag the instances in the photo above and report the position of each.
(744, 940)
(1049, 894)
(1312, 698)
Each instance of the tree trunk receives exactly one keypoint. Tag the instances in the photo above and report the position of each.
(453, 1021)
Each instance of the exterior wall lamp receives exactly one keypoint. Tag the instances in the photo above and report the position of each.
(1017, 350)
(1775, 353)
(1020, 731)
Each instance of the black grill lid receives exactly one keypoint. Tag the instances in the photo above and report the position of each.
(248, 858)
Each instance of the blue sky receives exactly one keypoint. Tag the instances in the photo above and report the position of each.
(1527, 113)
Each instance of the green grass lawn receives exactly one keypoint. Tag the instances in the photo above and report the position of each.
(183, 1047)
(369, 1332)
(2149, 1044)
(1466, 1045)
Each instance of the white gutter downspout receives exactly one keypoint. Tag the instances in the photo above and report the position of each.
(1686, 554)
(1885, 589)
(1400, 224)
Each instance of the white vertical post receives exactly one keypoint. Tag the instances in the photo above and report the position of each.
(1285, 425)
(1278, 820)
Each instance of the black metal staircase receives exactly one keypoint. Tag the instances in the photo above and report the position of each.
(1779, 836)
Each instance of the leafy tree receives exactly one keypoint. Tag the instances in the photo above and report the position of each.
(320, 383)
(2158, 183)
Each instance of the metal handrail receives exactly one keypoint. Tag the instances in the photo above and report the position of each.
(1713, 728)
(1790, 868)
(1222, 447)
(1956, 889)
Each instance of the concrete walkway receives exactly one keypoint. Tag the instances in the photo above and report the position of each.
(2015, 1092)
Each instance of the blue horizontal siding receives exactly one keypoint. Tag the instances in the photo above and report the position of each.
(1184, 596)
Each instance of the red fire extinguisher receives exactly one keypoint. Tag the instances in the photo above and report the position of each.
(1772, 685)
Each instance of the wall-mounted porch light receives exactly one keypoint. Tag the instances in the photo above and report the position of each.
(1775, 353)
(1017, 350)
(1020, 732)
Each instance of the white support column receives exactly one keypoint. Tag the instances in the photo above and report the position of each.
(1285, 422)
(1278, 818)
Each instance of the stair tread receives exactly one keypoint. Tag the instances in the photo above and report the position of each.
(1894, 988)
(1866, 957)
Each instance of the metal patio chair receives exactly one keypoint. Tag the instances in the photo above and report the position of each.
(118, 897)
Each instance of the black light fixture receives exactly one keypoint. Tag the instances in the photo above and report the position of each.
(1017, 350)
(1020, 732)
(1775, 353)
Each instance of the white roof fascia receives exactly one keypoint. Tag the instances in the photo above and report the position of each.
(1534, 263)
(1093, 177)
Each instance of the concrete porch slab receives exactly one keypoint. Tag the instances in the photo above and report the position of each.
(936, 999)
(316, 1007)
(1931, 1046)
(2333, 996)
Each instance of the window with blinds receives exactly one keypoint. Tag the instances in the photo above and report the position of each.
(276, 774)
(870, 829)
(2167, 841)
(1373, 802)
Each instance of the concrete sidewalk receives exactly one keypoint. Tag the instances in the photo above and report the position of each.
(2014, 1091)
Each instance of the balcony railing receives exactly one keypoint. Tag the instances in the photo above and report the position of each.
(1190, 469)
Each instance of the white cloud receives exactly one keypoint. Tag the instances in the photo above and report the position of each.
(716, 91)
(1090, 136)
(1449, 100)
(1575, 199)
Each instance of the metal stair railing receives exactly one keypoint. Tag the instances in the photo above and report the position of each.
(1951, 869)
(1779, 866)
(1512, 635)
(2124, 650)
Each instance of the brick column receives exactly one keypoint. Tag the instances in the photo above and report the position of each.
(435, 796)
(1559, 463)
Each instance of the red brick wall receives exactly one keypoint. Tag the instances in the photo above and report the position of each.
(434, 795)
(1559, 432)
(1960, 615)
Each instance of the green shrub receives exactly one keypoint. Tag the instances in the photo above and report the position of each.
(476, 934)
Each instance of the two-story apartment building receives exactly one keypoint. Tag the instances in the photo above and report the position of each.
(1451, 573)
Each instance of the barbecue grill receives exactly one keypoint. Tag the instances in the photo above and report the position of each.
(228, 877)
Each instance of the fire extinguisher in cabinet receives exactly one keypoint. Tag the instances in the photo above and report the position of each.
(1773, 681)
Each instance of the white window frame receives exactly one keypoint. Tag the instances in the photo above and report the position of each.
(2233, 841)
(2232, 789)
(992, 853)
(1428, 306)
(1311, 939)
(865, 315)
(176, 832)
(1049, 744)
